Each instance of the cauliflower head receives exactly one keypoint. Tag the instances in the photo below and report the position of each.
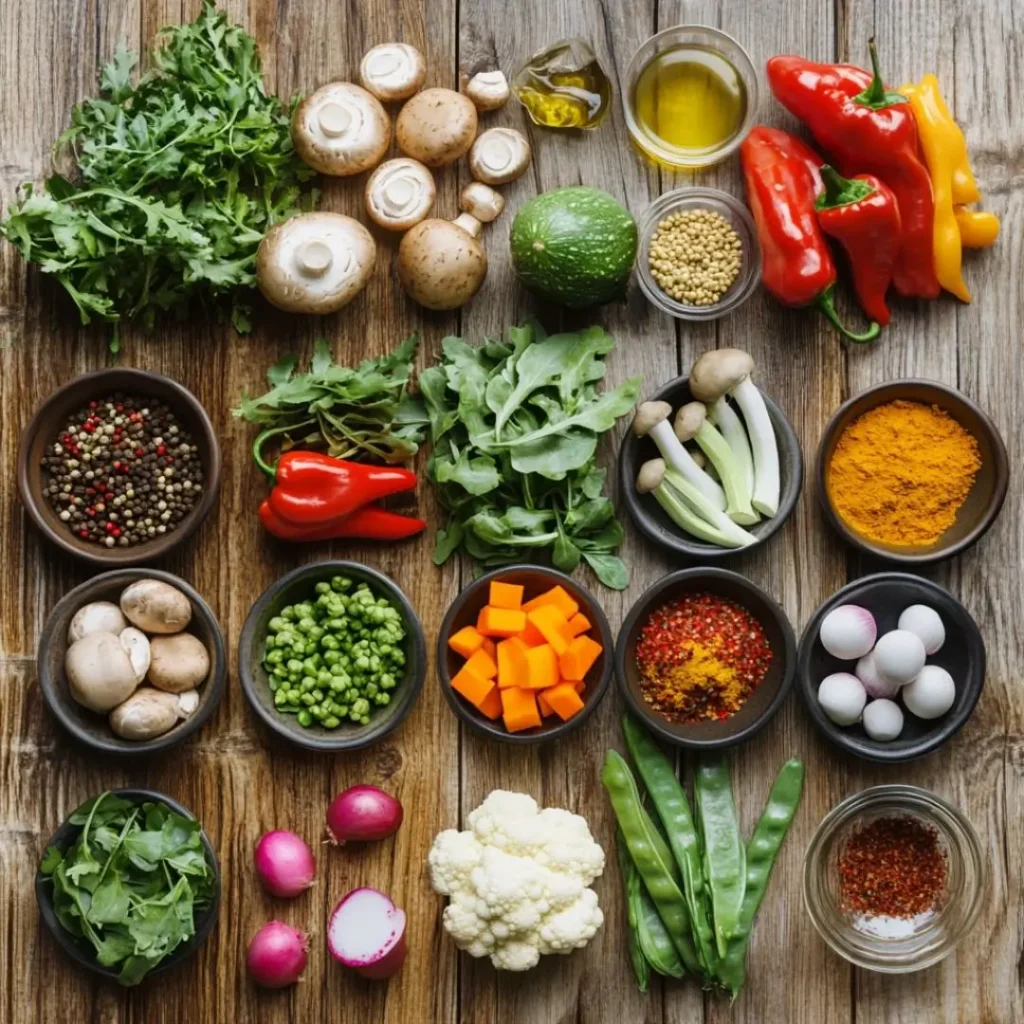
(517, 881)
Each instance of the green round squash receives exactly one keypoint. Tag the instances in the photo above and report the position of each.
(575, 246)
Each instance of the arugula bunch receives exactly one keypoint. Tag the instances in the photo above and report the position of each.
(515, 426)
(181, 175)
(365, 413)
(131, 882)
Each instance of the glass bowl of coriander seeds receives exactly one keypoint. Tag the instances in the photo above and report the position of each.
(699, 257)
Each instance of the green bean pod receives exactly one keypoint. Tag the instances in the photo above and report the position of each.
(632, 886)
(670, 801)
(654, 941)
(648, 851)
(762, 849)
(724, 855)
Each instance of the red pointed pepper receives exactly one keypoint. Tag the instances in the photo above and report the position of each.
(861, 214)
(866, 128)
(796, 265)
(370, 522)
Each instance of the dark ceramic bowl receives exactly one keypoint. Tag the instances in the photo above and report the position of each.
(89, 726)
(652, 520)
(298, 585)
(464, 611)
(762, 703)
(885, 595)
(50, 419)
(79, 949)
(985, 499)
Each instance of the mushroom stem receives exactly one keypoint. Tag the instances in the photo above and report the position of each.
(765, 447)
(314, 258)
(469, 224)
(723, 416)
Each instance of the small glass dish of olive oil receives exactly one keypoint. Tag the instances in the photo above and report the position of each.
(690, 96)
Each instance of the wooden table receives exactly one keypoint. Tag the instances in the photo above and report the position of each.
(242, 781)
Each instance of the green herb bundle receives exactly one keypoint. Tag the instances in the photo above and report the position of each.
(365, 413)
(131, 882)
(181, 174)
(515, 426)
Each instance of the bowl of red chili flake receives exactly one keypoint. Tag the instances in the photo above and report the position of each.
(894, 878)
(705, 658)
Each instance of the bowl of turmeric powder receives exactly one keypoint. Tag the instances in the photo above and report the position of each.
(911, 471)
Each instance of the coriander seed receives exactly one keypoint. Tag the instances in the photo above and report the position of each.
(695, 256)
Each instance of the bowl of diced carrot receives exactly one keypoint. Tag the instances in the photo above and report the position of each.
(524, 654)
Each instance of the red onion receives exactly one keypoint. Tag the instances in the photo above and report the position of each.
(363, 813)
(277, 955)
(367, 933)
(284, 863)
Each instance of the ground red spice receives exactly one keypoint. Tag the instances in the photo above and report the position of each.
(892, 867)
(686, 630)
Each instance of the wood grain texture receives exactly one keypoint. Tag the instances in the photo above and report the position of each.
(242, 781)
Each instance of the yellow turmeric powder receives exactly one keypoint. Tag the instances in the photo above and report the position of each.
(702, 686)
(900, 473)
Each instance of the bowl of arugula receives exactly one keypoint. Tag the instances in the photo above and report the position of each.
(129, 885)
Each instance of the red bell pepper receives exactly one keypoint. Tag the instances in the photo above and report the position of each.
(370, 523)
(866, 128)
(862, 215)
(796, 265)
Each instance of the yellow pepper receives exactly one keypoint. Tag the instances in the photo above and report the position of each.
(945, 151)
(978, 228)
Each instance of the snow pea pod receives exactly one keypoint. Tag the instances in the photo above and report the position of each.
(632, 885)
(655, 942)
(762, 849)
(724, 856)
(670, 801)
(649, 852)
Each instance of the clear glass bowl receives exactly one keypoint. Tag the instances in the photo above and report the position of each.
(916, 943)
(669, 39)
(734, 211)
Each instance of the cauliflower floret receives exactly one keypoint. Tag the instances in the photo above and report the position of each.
(518, 881)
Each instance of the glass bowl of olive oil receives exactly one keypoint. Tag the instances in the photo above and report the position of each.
(690, 96)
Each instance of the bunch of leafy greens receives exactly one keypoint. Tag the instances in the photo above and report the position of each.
(365, 413)
(180, 176)
(515, 426)
(131, 882)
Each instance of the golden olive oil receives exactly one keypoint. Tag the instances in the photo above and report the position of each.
(690, 99)
(564, 86)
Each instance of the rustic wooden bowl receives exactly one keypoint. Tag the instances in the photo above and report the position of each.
(298, 585)
(985, 499)
(464, 611)
(91, 727)
(51, 417)
(762, 704)
(79, 949)
(651, 518)
(885, 595)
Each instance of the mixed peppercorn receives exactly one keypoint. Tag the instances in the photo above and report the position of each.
(122, 471)
(701, 657)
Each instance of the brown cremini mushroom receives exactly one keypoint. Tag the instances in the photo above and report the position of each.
(436, 127)
(481, 201)
(399, 194)
(341, 129)
(392, 71)
(441, 265)
(499, 155)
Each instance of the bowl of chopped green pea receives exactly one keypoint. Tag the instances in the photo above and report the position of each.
(332, 656)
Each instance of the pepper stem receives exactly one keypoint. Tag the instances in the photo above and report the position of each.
(825, 302)
(840, 191)
(265, 435)
(875, 95)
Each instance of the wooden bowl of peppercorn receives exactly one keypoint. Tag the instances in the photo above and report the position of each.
(153, 456)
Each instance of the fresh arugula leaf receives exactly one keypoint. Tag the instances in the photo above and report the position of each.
(609, 569)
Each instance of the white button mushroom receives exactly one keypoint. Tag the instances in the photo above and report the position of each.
(931, 693)
(487, 89)
(926, 623)
(481, 201)
(883, 720)
(179, 662)
(842, 697)
(315, 262)
(156, 607)
(899, 655)
(440, 264)
(341, 129)
(99, 670)
(136, 643)
(499, 155)
(96, 617)
(436, 127)
(149, 713)
(399, 194)
(392, 71)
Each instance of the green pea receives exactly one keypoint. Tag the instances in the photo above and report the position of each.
(382, 698)
(370, 690)
(340, 583)
(294, 665)
(294, 696)
(323, 588)
(275, 657)
(362, 662)
(299, 647)
(307, 698)
(305, 718)
(330, 644)
(318, 712)
(331, 722)
(288, 613)
(331, 658)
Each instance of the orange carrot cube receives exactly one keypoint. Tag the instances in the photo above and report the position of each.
(541, 667)
(579, 623)
(577, 661)
(467, 641)
(482, 665)
(471, 686)
(552, 625)
(511, 663)
(546, 710)
(557, 596)
(519, 709)
(505, 595)
(531, 636)
(500, 621)
(564, 700)
(490, 706)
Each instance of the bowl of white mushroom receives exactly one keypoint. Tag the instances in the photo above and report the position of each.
(132, 661)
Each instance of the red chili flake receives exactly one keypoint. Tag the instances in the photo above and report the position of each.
(892, 867)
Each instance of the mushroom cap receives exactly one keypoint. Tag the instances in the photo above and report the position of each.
(341, 129)
(399, 194)
(487, 89)
(499, 155)
(392, 71)
(481, 201)
(649, 415)
(440, 265)
(651, 475)
(314, 262)
(689, 420)
(436, 127)
(719, 371)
